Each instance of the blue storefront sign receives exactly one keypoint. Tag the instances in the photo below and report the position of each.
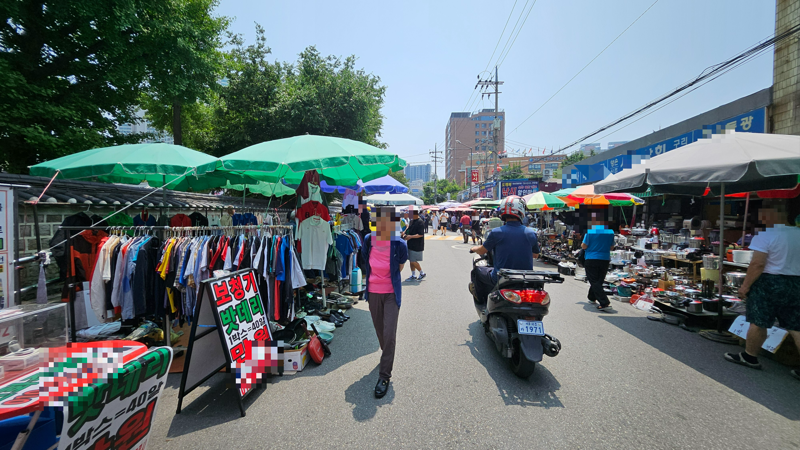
(751, 122)
(487, 190)
(518, 187)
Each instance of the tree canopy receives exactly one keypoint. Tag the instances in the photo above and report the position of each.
(323, 95)
(444, 186)
(71, 72)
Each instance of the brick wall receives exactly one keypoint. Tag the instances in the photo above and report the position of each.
(786, 71)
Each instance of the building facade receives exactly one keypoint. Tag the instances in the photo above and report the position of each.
(470, 136)
(415, 188)
(418, 172)
(142, 125)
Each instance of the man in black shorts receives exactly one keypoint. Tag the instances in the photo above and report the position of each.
(772, 284)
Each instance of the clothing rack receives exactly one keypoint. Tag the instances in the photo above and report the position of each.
(141, 230)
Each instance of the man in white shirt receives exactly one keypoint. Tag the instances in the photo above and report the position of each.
(772, 284)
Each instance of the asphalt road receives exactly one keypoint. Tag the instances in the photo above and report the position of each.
(620, 382)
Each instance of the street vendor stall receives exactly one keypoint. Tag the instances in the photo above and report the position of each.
(727, 163)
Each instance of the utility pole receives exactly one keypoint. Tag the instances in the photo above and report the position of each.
(496, 123)
(435, 158)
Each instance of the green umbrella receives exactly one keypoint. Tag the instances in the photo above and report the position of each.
(563, 192)
(339, 161)
(486, 204)
(181, 168)
(543, 201)
(264, 188)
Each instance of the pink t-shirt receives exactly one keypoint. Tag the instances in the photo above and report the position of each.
(380, 279)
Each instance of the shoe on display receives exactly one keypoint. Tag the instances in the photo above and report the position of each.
(381, 388)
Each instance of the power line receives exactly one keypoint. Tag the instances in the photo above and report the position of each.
(708, 74)
(682, 95)
(512, 30)
(584, 67)
(501, 36)
(518, 32)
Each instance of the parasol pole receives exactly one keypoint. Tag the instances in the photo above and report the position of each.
(744, 222)
(244, 193)
(720, 334)
(721, 252)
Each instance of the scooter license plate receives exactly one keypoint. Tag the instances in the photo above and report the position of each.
(530, 327)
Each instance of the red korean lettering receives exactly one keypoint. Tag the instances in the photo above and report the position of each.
(235, 285)
(221, 293)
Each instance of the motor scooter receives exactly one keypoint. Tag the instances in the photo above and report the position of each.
(512, 316)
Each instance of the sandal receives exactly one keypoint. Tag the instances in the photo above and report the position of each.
(738, 359)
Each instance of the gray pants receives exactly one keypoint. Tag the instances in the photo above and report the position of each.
(384, 311)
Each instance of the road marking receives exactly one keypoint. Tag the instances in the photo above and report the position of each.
(443, 238)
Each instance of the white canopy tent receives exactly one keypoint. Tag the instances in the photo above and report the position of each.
(393, 199)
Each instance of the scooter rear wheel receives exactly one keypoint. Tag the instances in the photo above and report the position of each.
(520, 365)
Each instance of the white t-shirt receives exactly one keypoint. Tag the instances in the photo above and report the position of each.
(781, 243)
(313, 194)
(315, 235)
(350, 199)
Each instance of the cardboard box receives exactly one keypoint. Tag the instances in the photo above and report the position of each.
(295, 360)
(666, 285)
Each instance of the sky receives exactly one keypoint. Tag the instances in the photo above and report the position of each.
(429, 53)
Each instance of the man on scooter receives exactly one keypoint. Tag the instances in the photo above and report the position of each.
(514, 245)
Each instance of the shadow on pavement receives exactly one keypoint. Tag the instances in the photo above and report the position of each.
(352, 341)
(773, 387)
(539, 390)
(592, 307)
(361, 394)
(217, 405)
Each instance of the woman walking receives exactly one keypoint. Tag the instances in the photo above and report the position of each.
(435, 221)
(386, 254)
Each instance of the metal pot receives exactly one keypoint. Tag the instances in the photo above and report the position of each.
(694, 307)
(735, 279)
(711, 305)
(696, 243)
(711, 262)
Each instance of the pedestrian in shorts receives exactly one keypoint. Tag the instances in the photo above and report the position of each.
(771, 287)
(415, 238)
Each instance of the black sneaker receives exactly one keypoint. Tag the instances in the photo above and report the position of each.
(422, 275)
(381, 388)
(739, 359)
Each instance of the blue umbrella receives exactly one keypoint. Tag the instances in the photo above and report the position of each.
(382, 185)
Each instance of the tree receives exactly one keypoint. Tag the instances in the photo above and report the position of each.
(69, 73)
(445, 187)
(186, 66)
(572, 159)
(72, 71)
(317, 95)
(512, 172)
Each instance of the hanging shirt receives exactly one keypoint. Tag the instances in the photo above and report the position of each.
(314, 192)
(315, 235)
(311, 209)
(350, 199)
(180, 220)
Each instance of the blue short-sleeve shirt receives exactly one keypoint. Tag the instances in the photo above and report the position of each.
(514, 245)
(599, 241)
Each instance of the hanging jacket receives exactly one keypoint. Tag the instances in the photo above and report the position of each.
(85, 249)
(59, 251)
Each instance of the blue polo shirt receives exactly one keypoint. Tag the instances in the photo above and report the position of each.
(514, 245)
(599, 241)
